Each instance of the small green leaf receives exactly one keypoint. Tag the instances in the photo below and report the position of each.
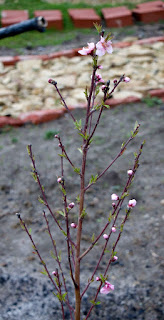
(64, 233)
(123, 144)
(61, 213)
(62, 155)
(98, 27)
(78, 124)
(63, 190)
(77, 170)
(78, 198)
(29, 231)
(93, 237)
(79, 149)
(110, 216)
(93, 178)
(52, 255)
(83, 214)
(44, 272)
(28, 150)
(34, 176)
(106, 106)
(41, 200)
(125, 194)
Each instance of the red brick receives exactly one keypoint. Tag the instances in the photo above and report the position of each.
(9, 121)
(149, 14)
(157, 93)
(9, 60)
(150, 4)
(9, 17)
(115, 102)
(84, 18)
(53, 17)
(40, 116)
(117, 17)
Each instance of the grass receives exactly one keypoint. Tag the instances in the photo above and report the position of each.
(152, 101)
(50, 37)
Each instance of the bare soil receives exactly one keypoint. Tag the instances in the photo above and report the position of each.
(138, 273)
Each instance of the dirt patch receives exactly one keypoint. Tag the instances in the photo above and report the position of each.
(137, 275)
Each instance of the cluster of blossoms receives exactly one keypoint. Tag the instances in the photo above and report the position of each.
(100, 48)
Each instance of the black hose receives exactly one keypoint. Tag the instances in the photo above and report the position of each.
(38, 23)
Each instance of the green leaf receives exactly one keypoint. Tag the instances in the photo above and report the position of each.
(83, 214)
(123, 144)
(34, 176)
(110, 216)
(29, 231)
(109, 37)
(98, 27)
(86, 93)
(106, 106)
(61, 213)
(65, 234)
(28, 150)
(44, 272)
(62, 155)
(77, 170)
(63, 190)
(52, 255)
(79, 149)
(78, 124)
(41, 200)
(63, 296)
(125, 194)
(93, 178)
(93, 237)
(78, 198)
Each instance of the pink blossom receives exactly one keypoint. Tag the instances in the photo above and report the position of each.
(59, 180)
(107, 288)
(114, 196)
(87, 50)
(115, 258)
(71, 205)
(126, 79)
(99, 78)
(130, 172)
(132, 203)
(100, 67)
(73, 225)
(103, 46)
(113, 229)
(105, 236)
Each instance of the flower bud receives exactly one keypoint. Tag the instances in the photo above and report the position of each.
(115, 81)
(113, 204)
(54, 273)
(114, 196)
(105, 236)
(73, 225)
(130, 172)
(115, 258)
(71, 205)
(59, 180)
(126, 79)
(97, 279)
(113, 229)
(132, 203)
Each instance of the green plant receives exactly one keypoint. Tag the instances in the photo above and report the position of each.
(152, 101)
(49, 135)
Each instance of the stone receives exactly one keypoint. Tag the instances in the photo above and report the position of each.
(28, 65)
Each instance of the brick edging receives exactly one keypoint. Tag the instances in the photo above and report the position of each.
(39, 116)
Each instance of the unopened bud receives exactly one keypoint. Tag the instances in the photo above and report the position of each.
(130, 172)
(71, 205)
(113, 229)
(59, 180)
(105, 236)
(73, 225)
